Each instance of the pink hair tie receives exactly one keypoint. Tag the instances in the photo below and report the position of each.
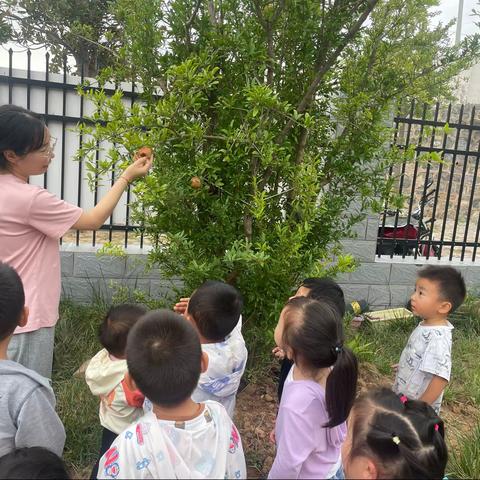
(403, 399)
(436, 427)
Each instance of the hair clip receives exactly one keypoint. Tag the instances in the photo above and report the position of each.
(404, 399)
(337, 348)
(436, 427)
(396, 440)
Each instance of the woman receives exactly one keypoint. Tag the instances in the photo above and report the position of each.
(31, 222)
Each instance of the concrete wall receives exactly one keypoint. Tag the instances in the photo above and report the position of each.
(84, 275)
(389, 282)
(382, 282)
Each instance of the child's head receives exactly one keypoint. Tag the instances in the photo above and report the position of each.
(214, 309)
(323, 289)
(164, 357)
(439, 291)
(116, 325)
(389, 437)
(311, 334)
(12, 301)
(33, 462)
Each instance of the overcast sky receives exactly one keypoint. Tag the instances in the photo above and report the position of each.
(448, 10)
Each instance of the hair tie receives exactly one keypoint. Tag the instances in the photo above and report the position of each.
(396, 439)
(404, 399)
(436, 427)
(338, 348)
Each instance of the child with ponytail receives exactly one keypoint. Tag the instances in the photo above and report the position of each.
(317, 398)
(394, 437)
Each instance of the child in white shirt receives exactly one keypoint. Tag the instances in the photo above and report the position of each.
(105, 376)
(426, 362)
(178, 438)
(215, 311)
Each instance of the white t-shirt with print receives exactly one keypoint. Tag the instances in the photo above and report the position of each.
(428, 353)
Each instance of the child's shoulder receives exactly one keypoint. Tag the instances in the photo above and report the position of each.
(18, 381)
(303, 392)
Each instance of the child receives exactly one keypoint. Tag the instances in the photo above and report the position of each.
(310, 425)
(178, 438)
(426, 362)
(215, 311)
(318, 289)
(105, 375)
(35, 463)
(392, 437)
(27, 402)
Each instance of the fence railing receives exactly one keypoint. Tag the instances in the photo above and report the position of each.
(54, 95)
(441, 215)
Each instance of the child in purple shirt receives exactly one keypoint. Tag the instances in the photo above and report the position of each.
(318, 396)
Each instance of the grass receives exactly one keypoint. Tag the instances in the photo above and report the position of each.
(76, 341)
(464, 462)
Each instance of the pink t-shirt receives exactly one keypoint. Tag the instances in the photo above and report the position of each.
(31, 222)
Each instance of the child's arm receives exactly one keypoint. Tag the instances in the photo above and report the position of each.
(434, 389)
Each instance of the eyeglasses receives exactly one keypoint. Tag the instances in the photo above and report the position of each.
(49, 149)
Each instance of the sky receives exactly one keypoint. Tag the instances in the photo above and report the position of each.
(448, 9)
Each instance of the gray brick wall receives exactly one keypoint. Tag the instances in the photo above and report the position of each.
(389, 282)
(383, 283)
(85, 275)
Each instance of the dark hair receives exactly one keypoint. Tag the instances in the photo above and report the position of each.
(20, 130)
(450, 281)
(314, 332)
(164, 356)
(405, 438)
(117, 323)
(215, 308)
(12, 300)
(33, 462)
(326, 289)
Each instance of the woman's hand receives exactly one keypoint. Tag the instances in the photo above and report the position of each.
(141, 165)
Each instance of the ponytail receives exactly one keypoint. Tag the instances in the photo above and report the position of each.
(341, 386)
(314, 332)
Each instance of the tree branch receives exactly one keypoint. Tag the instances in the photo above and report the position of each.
(327, 65)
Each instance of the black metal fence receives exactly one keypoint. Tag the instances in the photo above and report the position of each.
(55, 96)
(441, 215)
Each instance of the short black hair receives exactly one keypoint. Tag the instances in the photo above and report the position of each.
(12, 300)
(21, 131)
(215, 308)
(326, 289)
(450, 282)
(116, 325)
(164, 357)
(33, 462)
